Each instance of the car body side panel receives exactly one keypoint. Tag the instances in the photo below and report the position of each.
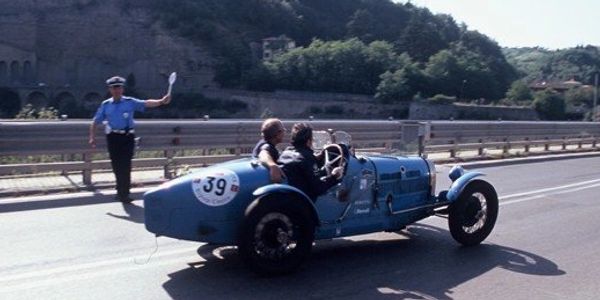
(355, 188)
(174, 210)
(358, 205)
(372, 183)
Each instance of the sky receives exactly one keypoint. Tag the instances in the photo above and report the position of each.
(551, 24)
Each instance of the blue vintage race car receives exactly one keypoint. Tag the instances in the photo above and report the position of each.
(275, 225)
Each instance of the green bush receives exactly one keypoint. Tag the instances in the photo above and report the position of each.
(519, 91)
(28, 112)
(550, 105)
(442, 99)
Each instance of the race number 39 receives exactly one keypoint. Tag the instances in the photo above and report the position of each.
(216, 187)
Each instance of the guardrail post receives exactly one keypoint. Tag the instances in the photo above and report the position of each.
(87, 171)
(421, 145)
(63, 158)
(546, 145)
(526, 145)
(594, 143)
(580, 143)
(480, 149)
(424, 134)
(453, 149)
(168, 174)
(564, 144)
(506, 146)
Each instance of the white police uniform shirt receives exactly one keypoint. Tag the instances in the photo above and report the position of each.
(118, 115)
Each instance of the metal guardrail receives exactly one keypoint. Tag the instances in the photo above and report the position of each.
(237, 137)
(455, 136)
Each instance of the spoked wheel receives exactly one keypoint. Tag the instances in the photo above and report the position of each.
(473, 215)
(277, 237)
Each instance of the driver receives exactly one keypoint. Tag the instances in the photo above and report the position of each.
(300, 164)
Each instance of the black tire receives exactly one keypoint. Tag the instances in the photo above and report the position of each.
(473, 215)
(277, 236)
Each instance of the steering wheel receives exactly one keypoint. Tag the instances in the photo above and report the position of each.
(334, 157)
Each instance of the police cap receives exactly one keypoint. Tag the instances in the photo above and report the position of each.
(115, 81)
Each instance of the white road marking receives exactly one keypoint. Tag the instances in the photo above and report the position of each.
(120, 262)
(549, 189)
(546, 195)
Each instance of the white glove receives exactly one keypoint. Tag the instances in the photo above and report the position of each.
(338, 172)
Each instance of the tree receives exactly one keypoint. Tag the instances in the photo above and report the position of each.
(459, 71)
(339, 66)
(403, 84)
(519, 91)
(393, 87)
(549, 105)
(362, 25)
(580, 96)
(421, 37)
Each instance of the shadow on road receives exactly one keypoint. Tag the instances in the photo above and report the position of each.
(424, 264)
(134, 213)
(97, 198)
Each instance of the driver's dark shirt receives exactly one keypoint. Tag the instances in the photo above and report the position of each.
(264, 145)
(300, 167)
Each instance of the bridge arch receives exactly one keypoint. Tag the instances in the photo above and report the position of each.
(37, 99)
(28, 73)
(3, 73)
(10, 103)
(91, 101)
(67, 104)
(15, 71)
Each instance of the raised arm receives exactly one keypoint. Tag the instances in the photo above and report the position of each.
(157, 102)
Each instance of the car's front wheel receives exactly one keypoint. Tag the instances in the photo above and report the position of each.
(473, 215)
(277, 236)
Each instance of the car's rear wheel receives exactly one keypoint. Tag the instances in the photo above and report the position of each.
(473, 215)
(277, 236)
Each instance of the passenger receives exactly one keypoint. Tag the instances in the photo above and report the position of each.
(272, 131)
(300, 164)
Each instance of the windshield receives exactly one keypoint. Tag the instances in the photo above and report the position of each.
(323, 138)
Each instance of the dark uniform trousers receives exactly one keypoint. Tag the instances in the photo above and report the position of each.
(120, 150)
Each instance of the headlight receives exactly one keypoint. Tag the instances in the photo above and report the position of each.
(456, 172)
(432, 175)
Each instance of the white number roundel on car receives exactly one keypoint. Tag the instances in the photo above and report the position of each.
(215, 187)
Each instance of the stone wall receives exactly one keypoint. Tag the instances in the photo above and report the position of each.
(294, 104)
(425, 111)
(77, 44)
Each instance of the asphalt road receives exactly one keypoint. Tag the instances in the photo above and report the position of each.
(545, 246)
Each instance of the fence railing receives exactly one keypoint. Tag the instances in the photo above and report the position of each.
(221, 140)
(455, 136)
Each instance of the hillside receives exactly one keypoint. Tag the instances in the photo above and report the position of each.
(397, 52)
(577, 63)
(230, 26)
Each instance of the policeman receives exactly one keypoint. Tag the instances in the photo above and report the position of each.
(117, 114)
(272, 131)
(300, 164)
